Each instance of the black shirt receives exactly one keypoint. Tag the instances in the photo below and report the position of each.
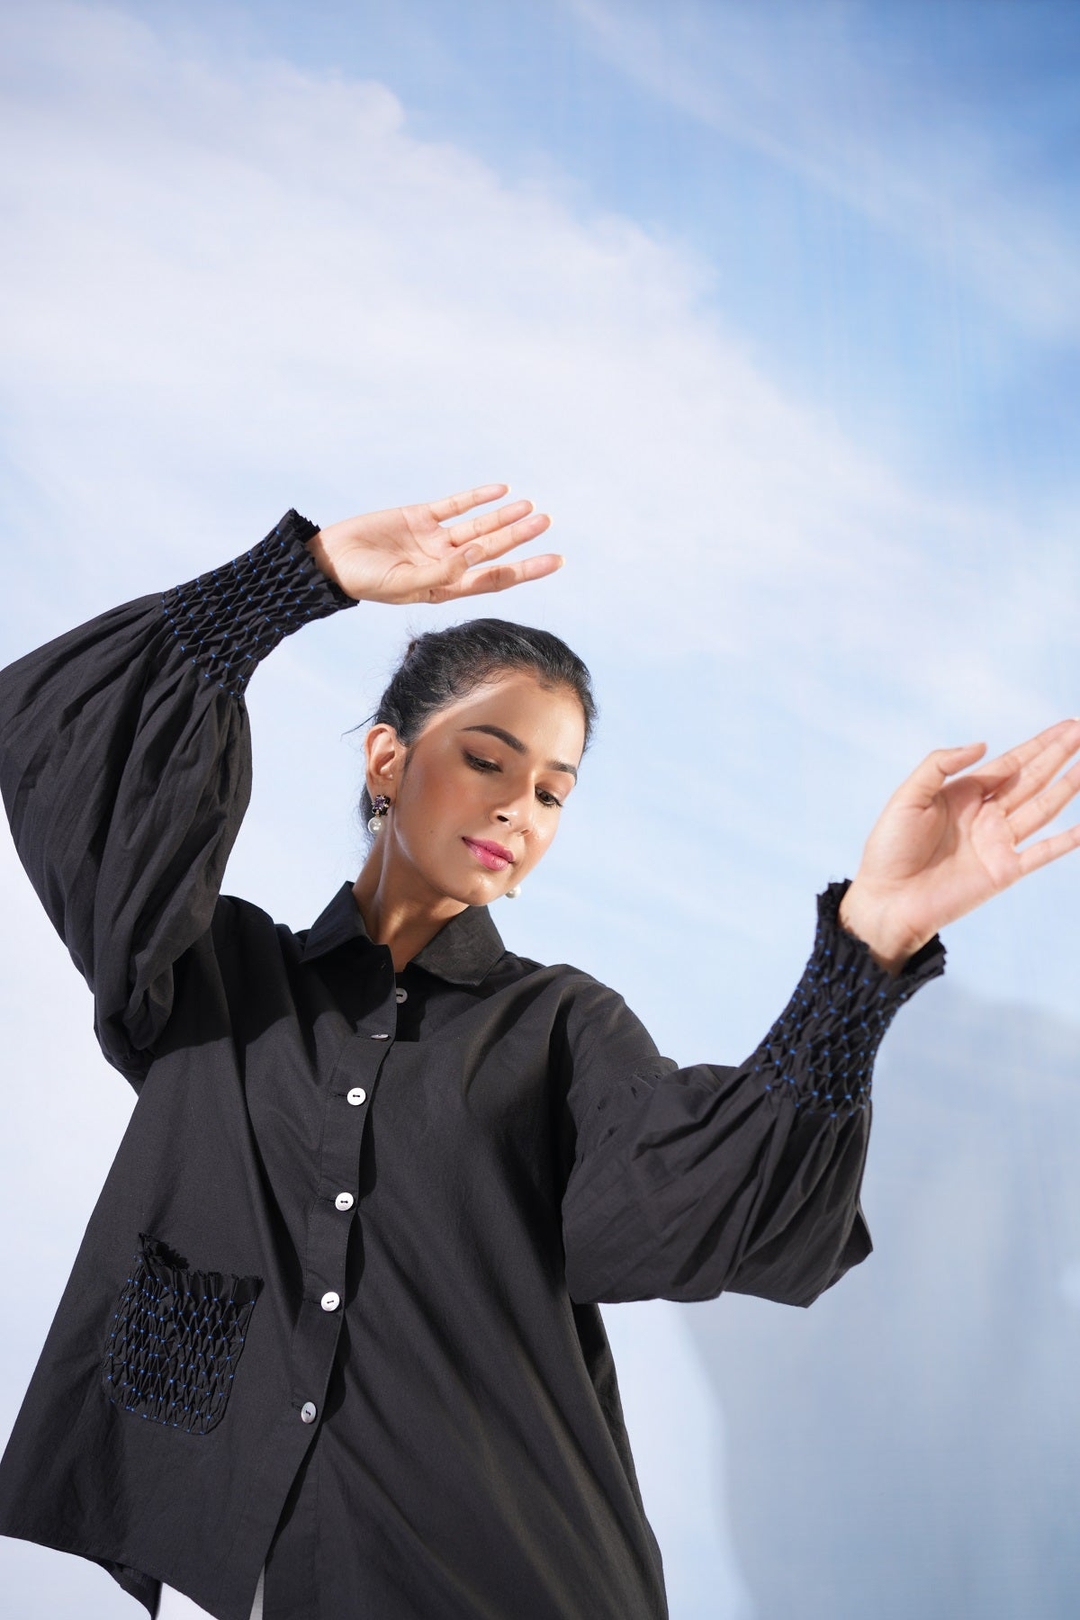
(336, 1308)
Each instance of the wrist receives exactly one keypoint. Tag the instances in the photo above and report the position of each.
(872, 918)
(322, 553)
(229, 619)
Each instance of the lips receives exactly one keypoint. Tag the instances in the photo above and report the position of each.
(496, 857)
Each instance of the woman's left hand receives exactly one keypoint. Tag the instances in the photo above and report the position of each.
(941, 847)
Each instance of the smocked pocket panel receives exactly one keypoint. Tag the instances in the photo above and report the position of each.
(175, 1340)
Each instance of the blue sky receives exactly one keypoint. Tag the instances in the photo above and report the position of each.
(860, 179)
(774, 306)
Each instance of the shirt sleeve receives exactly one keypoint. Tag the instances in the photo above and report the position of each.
(687, 1182)
(125, 770)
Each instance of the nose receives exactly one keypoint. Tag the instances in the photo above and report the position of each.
(513, 815)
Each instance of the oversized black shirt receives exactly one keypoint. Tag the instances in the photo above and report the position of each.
(336, 1308)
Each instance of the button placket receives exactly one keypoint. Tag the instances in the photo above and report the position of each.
(322, 1313)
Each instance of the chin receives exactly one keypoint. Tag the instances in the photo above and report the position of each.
(467, 891)
(481, 893)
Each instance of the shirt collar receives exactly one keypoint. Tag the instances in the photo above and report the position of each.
(463, 951)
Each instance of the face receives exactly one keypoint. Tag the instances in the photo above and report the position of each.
(476, 799)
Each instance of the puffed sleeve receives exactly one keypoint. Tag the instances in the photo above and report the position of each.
(687, 1182)
(125, 770)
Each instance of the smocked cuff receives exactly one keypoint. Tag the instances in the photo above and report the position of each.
(228, 620)
(820, 1052)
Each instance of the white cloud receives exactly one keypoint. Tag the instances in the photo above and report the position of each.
(245, 287)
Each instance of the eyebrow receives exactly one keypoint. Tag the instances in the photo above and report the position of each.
(519, 747)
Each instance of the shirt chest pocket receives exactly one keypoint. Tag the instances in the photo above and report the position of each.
(175, 1340)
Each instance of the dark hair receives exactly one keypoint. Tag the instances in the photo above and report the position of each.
(441, 666)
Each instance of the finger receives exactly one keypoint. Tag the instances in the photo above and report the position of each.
(996, 775)
(504, 540)
(1030, 817)
(459, 534)
(996, 779)
(1041, 767)
(1026, 751)
(453, 505)
(500, 578)
(1048, 849)
(928, 778)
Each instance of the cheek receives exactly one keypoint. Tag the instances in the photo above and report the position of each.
(437, 798)
(543, 835)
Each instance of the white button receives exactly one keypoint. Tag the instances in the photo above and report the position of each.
(380, 1037)
(402, 995)
(344, 1201)
(309, 1412)
(330, 1302)
(356, 1096)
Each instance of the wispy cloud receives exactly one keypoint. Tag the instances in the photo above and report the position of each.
(811, 88)
(257, 286)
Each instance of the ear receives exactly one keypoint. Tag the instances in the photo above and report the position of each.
(385, 755)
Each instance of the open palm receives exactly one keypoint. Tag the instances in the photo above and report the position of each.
(405, 554)
(941, 847)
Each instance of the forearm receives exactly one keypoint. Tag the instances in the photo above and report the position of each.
(231, 618)
(691, 1181)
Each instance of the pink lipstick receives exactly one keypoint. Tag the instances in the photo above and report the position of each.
(496, 857)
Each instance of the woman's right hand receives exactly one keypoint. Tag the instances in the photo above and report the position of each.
(406, 555)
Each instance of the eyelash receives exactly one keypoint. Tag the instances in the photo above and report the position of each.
(546, 797)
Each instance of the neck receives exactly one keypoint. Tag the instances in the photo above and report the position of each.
(405, 915)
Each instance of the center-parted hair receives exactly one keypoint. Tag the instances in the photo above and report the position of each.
(442, 666)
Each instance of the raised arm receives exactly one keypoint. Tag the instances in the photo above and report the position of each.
(125, 769)
(124, 746)
(687, 1182)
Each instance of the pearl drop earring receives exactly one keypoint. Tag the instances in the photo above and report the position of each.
(512, 894)
(380, 804)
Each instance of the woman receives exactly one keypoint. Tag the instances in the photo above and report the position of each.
(331, 1345)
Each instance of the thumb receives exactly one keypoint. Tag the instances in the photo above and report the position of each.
(928, 778)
